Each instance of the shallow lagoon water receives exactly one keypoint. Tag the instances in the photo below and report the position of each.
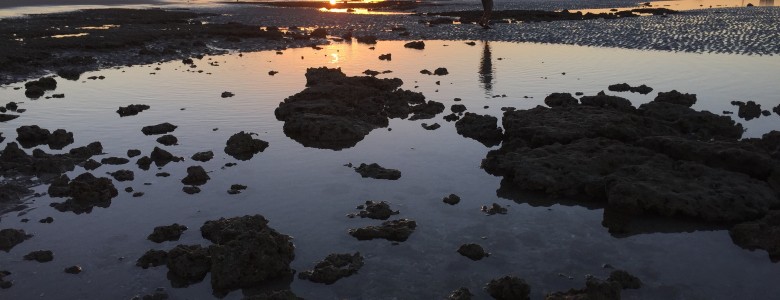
(307, 192)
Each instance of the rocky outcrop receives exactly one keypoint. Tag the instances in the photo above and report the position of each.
(162, 128)
(377, 172)
(375, 210)
(31, 136)
(419, 45)
(160, 157)
(473, 251)
(131, 110)
(482, 128)
(395, 230)
(85, 191)
(11, 237)
(748, 110)
(242, 146)
(763, 234)
(196, 175)
(167, 233)
(336, 111)
(638, 162)
(508, 288)
(334, 267)
(560, 99)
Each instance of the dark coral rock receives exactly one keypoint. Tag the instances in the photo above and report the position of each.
(594, 289)
(203, 156)
(168, 140)
(642, 89)
(377, 210)
(626, 280)
(4, 284)
(675, 97)
(452, 199)
(73, 270)
(59, 139)
(760, 234)
(152, 258)
(395, 230)
(319, 33)
(87, 192)
(334, 267)
(191, 190)
(196, 175)
(133, 153)
(433, 126)
(620, 87)
(247, 252)
(123, 175)
(440, 72)
(748, 110)
(46, 220)
(419, 45)
(12, 237)
(188, 264)
(114, 161)
(473, 251)
(336, 111)
(494, 209)
(367, 39)
(508, 288)
(227, 95)
(40, 256)
(85, 152)
(386, 56)
(377, 172)
(242, 146)
(560, 99)
(162, 128)
(606, 101)
(460, 294)
(482, 128)
(35, 89)
(59, 187)
(144, 163)
(426, 110)
(160, 157)
(236, 189)
(451, 117)
(458, 108)
(167, 233)
(31, 136)
(131, 110)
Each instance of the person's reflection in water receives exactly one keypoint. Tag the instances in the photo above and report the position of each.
(486, 68)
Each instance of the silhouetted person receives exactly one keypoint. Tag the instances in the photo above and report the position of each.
(487, 9)
(486, 68)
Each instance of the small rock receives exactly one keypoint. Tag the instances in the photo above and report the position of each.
(377, 172)
(167, 233)
(162, 128)
(433, 126)
(47, 220)
(133, 153)
(196, 175)
(376, 210)
(40, 256)
(452, 199)
(168, 140)
(12, 237)
(114, 161)
(203, 156)
(494, 209)
(334, 267)
(73, 270)
(123, 175)
(152, 258)
(131, 110)
(508, 288)
(227, 94)
(395, 230)
(191, 189)
(472, 251)
(420, 45)
(460, 294)
(387, 56)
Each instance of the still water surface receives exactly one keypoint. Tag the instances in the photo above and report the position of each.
(307, 192)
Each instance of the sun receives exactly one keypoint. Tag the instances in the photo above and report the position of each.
(332, 2)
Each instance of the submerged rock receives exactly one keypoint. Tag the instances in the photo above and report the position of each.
(594, 289)
(167, 233)
(508, 288)
(242, 146)
(40, 256)
(187, 264)
(336, 111)
(626, 280)
(493, 209)
(11, 237)
(162, 128)
(5, 284)
(433, 126)
(114, 160)
(763, 234)
(334, 267)
(131, 110)
(73, 270)
(395, 230)
(377, 172)
(191, 190)
(482, 128)
(473, 251)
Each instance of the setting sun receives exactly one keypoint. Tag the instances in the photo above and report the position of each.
(332, 2)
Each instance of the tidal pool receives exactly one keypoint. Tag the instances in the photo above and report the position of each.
(307, 192)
